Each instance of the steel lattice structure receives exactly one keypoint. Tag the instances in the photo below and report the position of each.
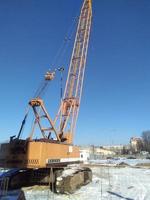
(65, 121)
(72, 95)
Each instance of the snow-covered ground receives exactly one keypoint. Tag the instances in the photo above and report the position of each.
(109, 183)
(131, 162)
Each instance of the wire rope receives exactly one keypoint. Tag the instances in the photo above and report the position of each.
(57, 58)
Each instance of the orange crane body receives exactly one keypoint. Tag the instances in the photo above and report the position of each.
(37, 154)
(46, 152)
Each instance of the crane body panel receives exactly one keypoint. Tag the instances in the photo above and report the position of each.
(37, 154)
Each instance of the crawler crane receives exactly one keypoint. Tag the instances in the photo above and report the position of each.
(55, 148)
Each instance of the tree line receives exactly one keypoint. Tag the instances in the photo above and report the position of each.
(146, 140)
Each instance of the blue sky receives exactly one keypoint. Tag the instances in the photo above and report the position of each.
(116, 98)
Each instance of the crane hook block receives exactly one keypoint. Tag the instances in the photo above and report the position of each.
(49, 76)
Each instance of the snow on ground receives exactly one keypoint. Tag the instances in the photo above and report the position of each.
(113, 162)
(109, 183)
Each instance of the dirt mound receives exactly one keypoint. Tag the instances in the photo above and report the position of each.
(72, 179)
(143, 165)
(123, 164)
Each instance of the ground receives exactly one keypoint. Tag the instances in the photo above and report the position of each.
(110, 182)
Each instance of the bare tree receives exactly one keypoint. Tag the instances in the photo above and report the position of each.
(146, 140)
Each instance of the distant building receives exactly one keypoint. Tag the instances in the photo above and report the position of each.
(105, 152)
(118, 149)
(136, 144)
(94, 152)
(84, 153)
